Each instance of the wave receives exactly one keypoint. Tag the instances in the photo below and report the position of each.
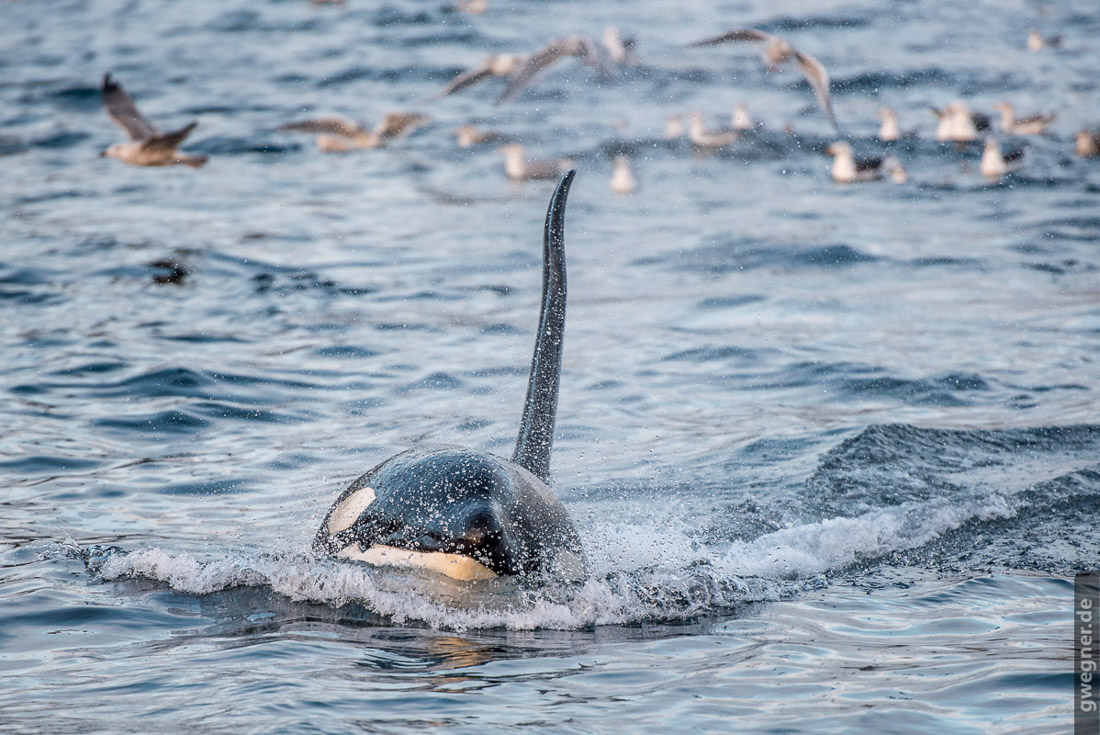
(640, 573)
(887, 498)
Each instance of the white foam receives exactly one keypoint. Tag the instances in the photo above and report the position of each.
(837, 542)
(639, 572)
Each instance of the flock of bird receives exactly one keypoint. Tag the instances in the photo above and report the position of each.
(609, 54)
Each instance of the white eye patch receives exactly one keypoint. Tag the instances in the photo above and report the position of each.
(349, 510)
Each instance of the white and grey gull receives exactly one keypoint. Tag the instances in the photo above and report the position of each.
(469, 135)
(705, 137)
(495, 65)
(958, 123)
(519, 168)
(147, 145)
(337, 134)
(995, 164)
(848, 169)
(606, 56)
(1031, 125)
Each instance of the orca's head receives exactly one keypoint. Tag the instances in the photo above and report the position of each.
(449, 510)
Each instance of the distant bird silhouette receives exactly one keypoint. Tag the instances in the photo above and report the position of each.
(995, 164)
(473, 7)
(1088, 143)
(848, 169)
(518, 168)
(958, 123)
(469, 136)
(674, 128)
(622, 178)
(741, 119)
(704, 137)
(890, 130)
(1036, 42)
(1033, 125)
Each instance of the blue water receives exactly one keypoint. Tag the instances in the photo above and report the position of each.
(832, 450)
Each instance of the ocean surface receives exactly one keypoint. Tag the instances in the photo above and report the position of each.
(833, 450)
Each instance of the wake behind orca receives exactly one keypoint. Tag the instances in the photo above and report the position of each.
(468, 514)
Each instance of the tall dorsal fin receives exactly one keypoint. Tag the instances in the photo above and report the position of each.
(536, 432)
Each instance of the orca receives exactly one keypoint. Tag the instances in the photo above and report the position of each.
(468, 514)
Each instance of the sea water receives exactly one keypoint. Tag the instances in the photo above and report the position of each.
(832, 450)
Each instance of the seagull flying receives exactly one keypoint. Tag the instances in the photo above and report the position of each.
(338, 134)
(778, 51)
(147, 145)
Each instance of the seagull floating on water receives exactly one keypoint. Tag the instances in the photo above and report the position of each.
(890, 130)
(473, 7)
(741, 119)
(1036, 42)
(674, 127)
(338, 134)
(995, 164)
(622, 178)
(705, 137)
(518, 168)
(848, 169)
(777, 51)
(958, 123)
(469, 136)
(1088, 143)
(1033, 125)
(147, 146)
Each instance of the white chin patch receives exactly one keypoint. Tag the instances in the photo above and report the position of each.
(345, 514)
(455, 566)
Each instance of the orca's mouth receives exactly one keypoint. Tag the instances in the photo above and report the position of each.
(474, 532)
(456, 566)
(452, 558)
(481, 547)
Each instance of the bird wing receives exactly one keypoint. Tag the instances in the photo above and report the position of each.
(539, 62)
(467, 79)
(819, 80)
(740, 34)
(168, 141)
(334, 125)
(121, 108)
(981, 121)
(396, 123)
